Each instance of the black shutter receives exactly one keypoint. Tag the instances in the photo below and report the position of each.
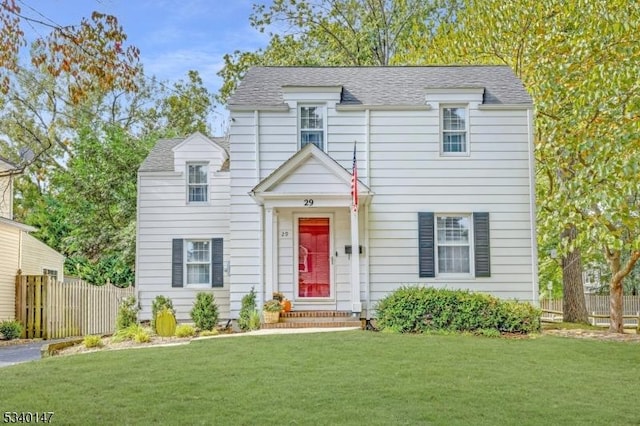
(426, 243)
(217, 267)
(177, 264)
(481, 244)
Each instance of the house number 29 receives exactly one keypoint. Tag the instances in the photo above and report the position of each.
(308, 202)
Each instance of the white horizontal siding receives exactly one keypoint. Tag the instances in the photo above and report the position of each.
(164, 214)
(6, 196)
(409, 176)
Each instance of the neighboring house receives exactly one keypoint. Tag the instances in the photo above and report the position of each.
(19, 250)
(445, 190)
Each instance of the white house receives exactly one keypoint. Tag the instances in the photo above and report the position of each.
(19, 250)
(445, 190)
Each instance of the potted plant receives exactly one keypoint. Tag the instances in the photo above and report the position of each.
(278, 296)
(271, 311)
(284, 302)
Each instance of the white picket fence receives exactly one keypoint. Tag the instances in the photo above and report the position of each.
(597, 308)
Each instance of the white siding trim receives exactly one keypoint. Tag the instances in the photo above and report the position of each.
(535, 290)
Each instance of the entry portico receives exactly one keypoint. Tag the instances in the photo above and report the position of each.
(312, 234)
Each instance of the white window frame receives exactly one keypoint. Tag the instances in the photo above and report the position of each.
(186, 262)
(464, 153)
(470, 244)
(189, 184)
(323, 110)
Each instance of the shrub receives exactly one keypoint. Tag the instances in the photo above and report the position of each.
(254, 320)
(157, 305)
(205, 311)
(10, 329)
(92, 341)
(127, 333)
(413, 309)
(185, 330)
(127, 313)
(246, 309)
(142, 336)
(209, 333)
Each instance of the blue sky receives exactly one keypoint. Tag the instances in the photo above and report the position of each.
(174, 36)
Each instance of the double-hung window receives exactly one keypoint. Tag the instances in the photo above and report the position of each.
(197, 182)
(453, 244)
(312, 126)
(198, 261)
(454, 133)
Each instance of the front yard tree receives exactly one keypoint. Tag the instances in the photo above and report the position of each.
(579, 60)
(88, 57)
(337, 32)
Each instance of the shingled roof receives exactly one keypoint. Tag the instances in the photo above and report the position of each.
(262, 86)
(160, 159)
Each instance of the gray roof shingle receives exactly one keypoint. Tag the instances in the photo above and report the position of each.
(160, 158)
(262, 86)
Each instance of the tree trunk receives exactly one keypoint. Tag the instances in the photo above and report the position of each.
(574, 307)
(616, 301)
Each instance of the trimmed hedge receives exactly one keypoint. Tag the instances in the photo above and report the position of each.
(413, 309)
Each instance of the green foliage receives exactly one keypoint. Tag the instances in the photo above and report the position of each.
(185, 330)
(187, 107)
(339, 33)
(127, 313)
(272, 306)
(157, 305)
(247, 307)
(10, 329)
(92, 342)
(165, 323)
(142, 336)
(205, 311)
(420, 309)
(127, 333)
(254, 320)
(209, 333)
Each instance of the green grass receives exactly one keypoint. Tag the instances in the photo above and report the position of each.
(360, 378)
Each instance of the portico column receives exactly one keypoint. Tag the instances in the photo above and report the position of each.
(356, 305)
(269, 253)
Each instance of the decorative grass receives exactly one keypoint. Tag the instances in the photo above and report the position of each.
(356, 377)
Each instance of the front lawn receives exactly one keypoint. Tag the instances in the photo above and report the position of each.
(356, 377)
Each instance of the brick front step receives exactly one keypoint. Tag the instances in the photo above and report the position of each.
(313, 324)
(309, 319)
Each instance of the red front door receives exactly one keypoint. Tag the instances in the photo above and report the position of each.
(314, 278)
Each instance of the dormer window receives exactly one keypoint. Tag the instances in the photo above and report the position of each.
(312, 126)
(454, 131)
(197, 182)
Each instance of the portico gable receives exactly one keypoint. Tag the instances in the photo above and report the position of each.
(308, 185)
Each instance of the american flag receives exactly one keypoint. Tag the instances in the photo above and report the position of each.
(354, 181)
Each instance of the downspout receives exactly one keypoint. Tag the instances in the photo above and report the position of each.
(136, 265)
(261, 268)
(532, 200)
(367, 150)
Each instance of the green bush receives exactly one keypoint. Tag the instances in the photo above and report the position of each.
(92, 341)
(246, 309)
(206, 333)
(127, 333)
(157, 305)
(127, 313)
(413, 309)
(255, 320)
(142, 336)
(205, 311)
(185, 330)
(10, 329)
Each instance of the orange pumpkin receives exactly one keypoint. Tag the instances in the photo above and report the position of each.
(286, 305)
